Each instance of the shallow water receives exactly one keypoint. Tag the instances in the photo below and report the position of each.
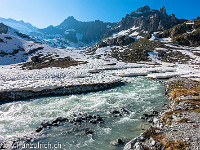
(138, 96)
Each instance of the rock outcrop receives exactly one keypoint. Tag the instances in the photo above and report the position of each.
(187, 33)
(147, 20)
(119, 41)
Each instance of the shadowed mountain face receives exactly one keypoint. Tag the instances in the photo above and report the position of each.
(77, 31)
(3, 28)
(147, 20)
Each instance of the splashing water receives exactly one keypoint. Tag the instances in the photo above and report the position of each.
(138, 96)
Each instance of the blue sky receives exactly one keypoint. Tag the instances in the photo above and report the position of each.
(42, 13)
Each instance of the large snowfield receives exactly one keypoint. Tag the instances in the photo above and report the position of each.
(13, 77)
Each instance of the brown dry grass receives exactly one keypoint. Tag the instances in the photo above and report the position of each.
(167, 117)
(184, 120)
(62, 63)
(174, 144)
(185, 92)
(159, 137)
(154, 133)
(182, 84)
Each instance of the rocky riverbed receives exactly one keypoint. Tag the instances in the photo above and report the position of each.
(83, 121)
(177, 127)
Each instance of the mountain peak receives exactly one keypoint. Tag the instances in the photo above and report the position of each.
(146, 8)
(70, 18)
(163, 10)
(69, 21)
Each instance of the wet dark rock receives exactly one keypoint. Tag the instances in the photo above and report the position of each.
(46, 124)
(56, 124)
(99, 118)
(84, 118)
(28, 139)
(145, 115)
(59, 119)
(150, 120)
(89, 116)
(93, 121)
(39, 129)
(154, 112)
(75, 115)
(94, 116)
(117, 115)
(124, 111)
(118, 142)
(15, 144)
(88, 131)
(115, 112)
(2, 146)
(77, 119)
(149, 117)
(71, 121)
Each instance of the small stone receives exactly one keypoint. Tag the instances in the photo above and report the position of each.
(88, 131)
(117, 142)
(115, 112)
(117, 115)
(46, 124)
(93, 121)
(56, 124)
(39, 129)
(123, 110)
(150, 120)
(155, 112)
(99, 118)
(153, 143)
(71, 121)
(77, 119)
(138, 146)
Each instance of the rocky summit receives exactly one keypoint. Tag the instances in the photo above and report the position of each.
(147, 19)
(72, 32)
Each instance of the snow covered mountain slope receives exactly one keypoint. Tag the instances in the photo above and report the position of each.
(20, 26)
(16, 47)
(72, 32)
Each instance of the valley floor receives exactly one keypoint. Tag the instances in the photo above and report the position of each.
(14, 79)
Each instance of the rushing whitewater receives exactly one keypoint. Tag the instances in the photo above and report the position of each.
(138, 96)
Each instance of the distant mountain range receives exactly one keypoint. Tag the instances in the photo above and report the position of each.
(21, 26)
(74, 33)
